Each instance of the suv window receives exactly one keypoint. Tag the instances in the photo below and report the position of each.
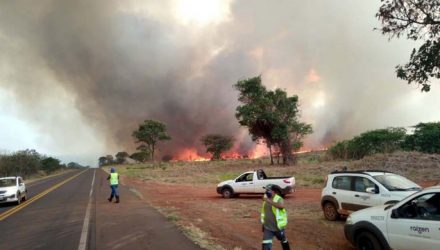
(361, 184)
(424, 207)
(342, 182)
(7, 182)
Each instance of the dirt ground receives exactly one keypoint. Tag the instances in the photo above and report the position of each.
(234, 223)
(217, 223)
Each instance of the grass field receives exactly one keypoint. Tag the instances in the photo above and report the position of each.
(309, 171)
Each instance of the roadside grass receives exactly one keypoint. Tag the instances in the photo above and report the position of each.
(191, 231)
(310, 171)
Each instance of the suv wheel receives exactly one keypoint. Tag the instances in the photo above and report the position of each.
(330, 211)
(367, 241)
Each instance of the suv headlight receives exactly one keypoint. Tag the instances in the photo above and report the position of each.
(349, 220)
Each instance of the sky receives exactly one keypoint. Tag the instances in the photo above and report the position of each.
(78, 77)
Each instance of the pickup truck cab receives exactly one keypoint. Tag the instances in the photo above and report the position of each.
(413, 223)
(12, 189)
(253, 182)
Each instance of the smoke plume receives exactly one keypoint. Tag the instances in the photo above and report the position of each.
(86, 73)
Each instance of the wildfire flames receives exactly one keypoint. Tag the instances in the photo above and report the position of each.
(260, 150)
(191, 154)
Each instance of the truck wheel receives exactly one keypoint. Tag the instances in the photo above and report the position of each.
(367, 241)
(227, 193)
(330, 211)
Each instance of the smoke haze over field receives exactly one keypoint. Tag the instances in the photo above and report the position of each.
(77, 77)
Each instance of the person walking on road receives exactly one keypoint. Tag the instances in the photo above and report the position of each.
(274, 219)
(114, 181)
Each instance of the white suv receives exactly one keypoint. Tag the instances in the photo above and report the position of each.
(12, 189)
(348, 191)
(413, 223)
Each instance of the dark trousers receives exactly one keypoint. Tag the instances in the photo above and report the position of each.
(268, 236)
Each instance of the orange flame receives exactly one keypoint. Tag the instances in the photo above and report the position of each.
(190, 154)
(260, 150)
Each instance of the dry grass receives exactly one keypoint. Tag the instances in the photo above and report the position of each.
(310, 170)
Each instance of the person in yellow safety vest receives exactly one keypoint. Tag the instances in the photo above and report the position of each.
(273, 218)
(114, 182)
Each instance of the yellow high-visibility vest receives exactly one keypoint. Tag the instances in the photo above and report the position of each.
(280, 214)
(114, 179)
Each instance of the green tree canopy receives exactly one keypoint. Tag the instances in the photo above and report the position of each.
(149, 133)
(426, 138)
(139, 156)
(271, 116)
(371, 142)
(418, 20)
(102, 161)
(50, 164)
(217, 144)
(120, 157)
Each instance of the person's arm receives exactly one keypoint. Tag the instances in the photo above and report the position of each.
(108, 177)
(279, 204)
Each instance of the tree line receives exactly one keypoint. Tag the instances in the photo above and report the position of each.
(29, 162)
(425, 138)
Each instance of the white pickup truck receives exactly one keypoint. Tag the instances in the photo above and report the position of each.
(253, 182)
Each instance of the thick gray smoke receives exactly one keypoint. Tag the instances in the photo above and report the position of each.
(81, 69)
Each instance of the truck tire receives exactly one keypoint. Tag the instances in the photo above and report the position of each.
(330, 211)
(367, 241)
(227, 192)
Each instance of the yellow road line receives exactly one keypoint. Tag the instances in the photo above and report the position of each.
(35, 198)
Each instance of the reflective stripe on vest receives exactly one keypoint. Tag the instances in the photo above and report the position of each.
(280, 214)
(114, 179)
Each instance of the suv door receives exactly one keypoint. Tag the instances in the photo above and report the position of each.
(416, 224)
(21, 186)
(361, 196)
(341, 190)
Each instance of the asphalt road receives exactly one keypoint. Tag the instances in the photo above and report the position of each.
(71, 211)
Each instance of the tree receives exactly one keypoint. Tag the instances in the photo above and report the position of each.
(376, 141)
(271, 116)
(109, 159)
(418, 20)
(149, 133)
(50, 164)
(102, 160)
(120, 157)
(217, 144)
(426, 138)
(73, 164)
(139, 156)
(24, 163)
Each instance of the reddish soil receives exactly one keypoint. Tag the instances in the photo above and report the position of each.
(234, 223)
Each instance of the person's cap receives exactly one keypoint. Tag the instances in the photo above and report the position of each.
(112, 170)
(268, 187)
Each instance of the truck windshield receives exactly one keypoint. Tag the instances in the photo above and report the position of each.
(396, 182)
(7, 182)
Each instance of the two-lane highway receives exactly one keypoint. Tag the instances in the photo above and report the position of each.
(71, 211)
(53, 216)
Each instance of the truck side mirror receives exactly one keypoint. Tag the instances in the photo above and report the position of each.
(371, 190)
(394, 214)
